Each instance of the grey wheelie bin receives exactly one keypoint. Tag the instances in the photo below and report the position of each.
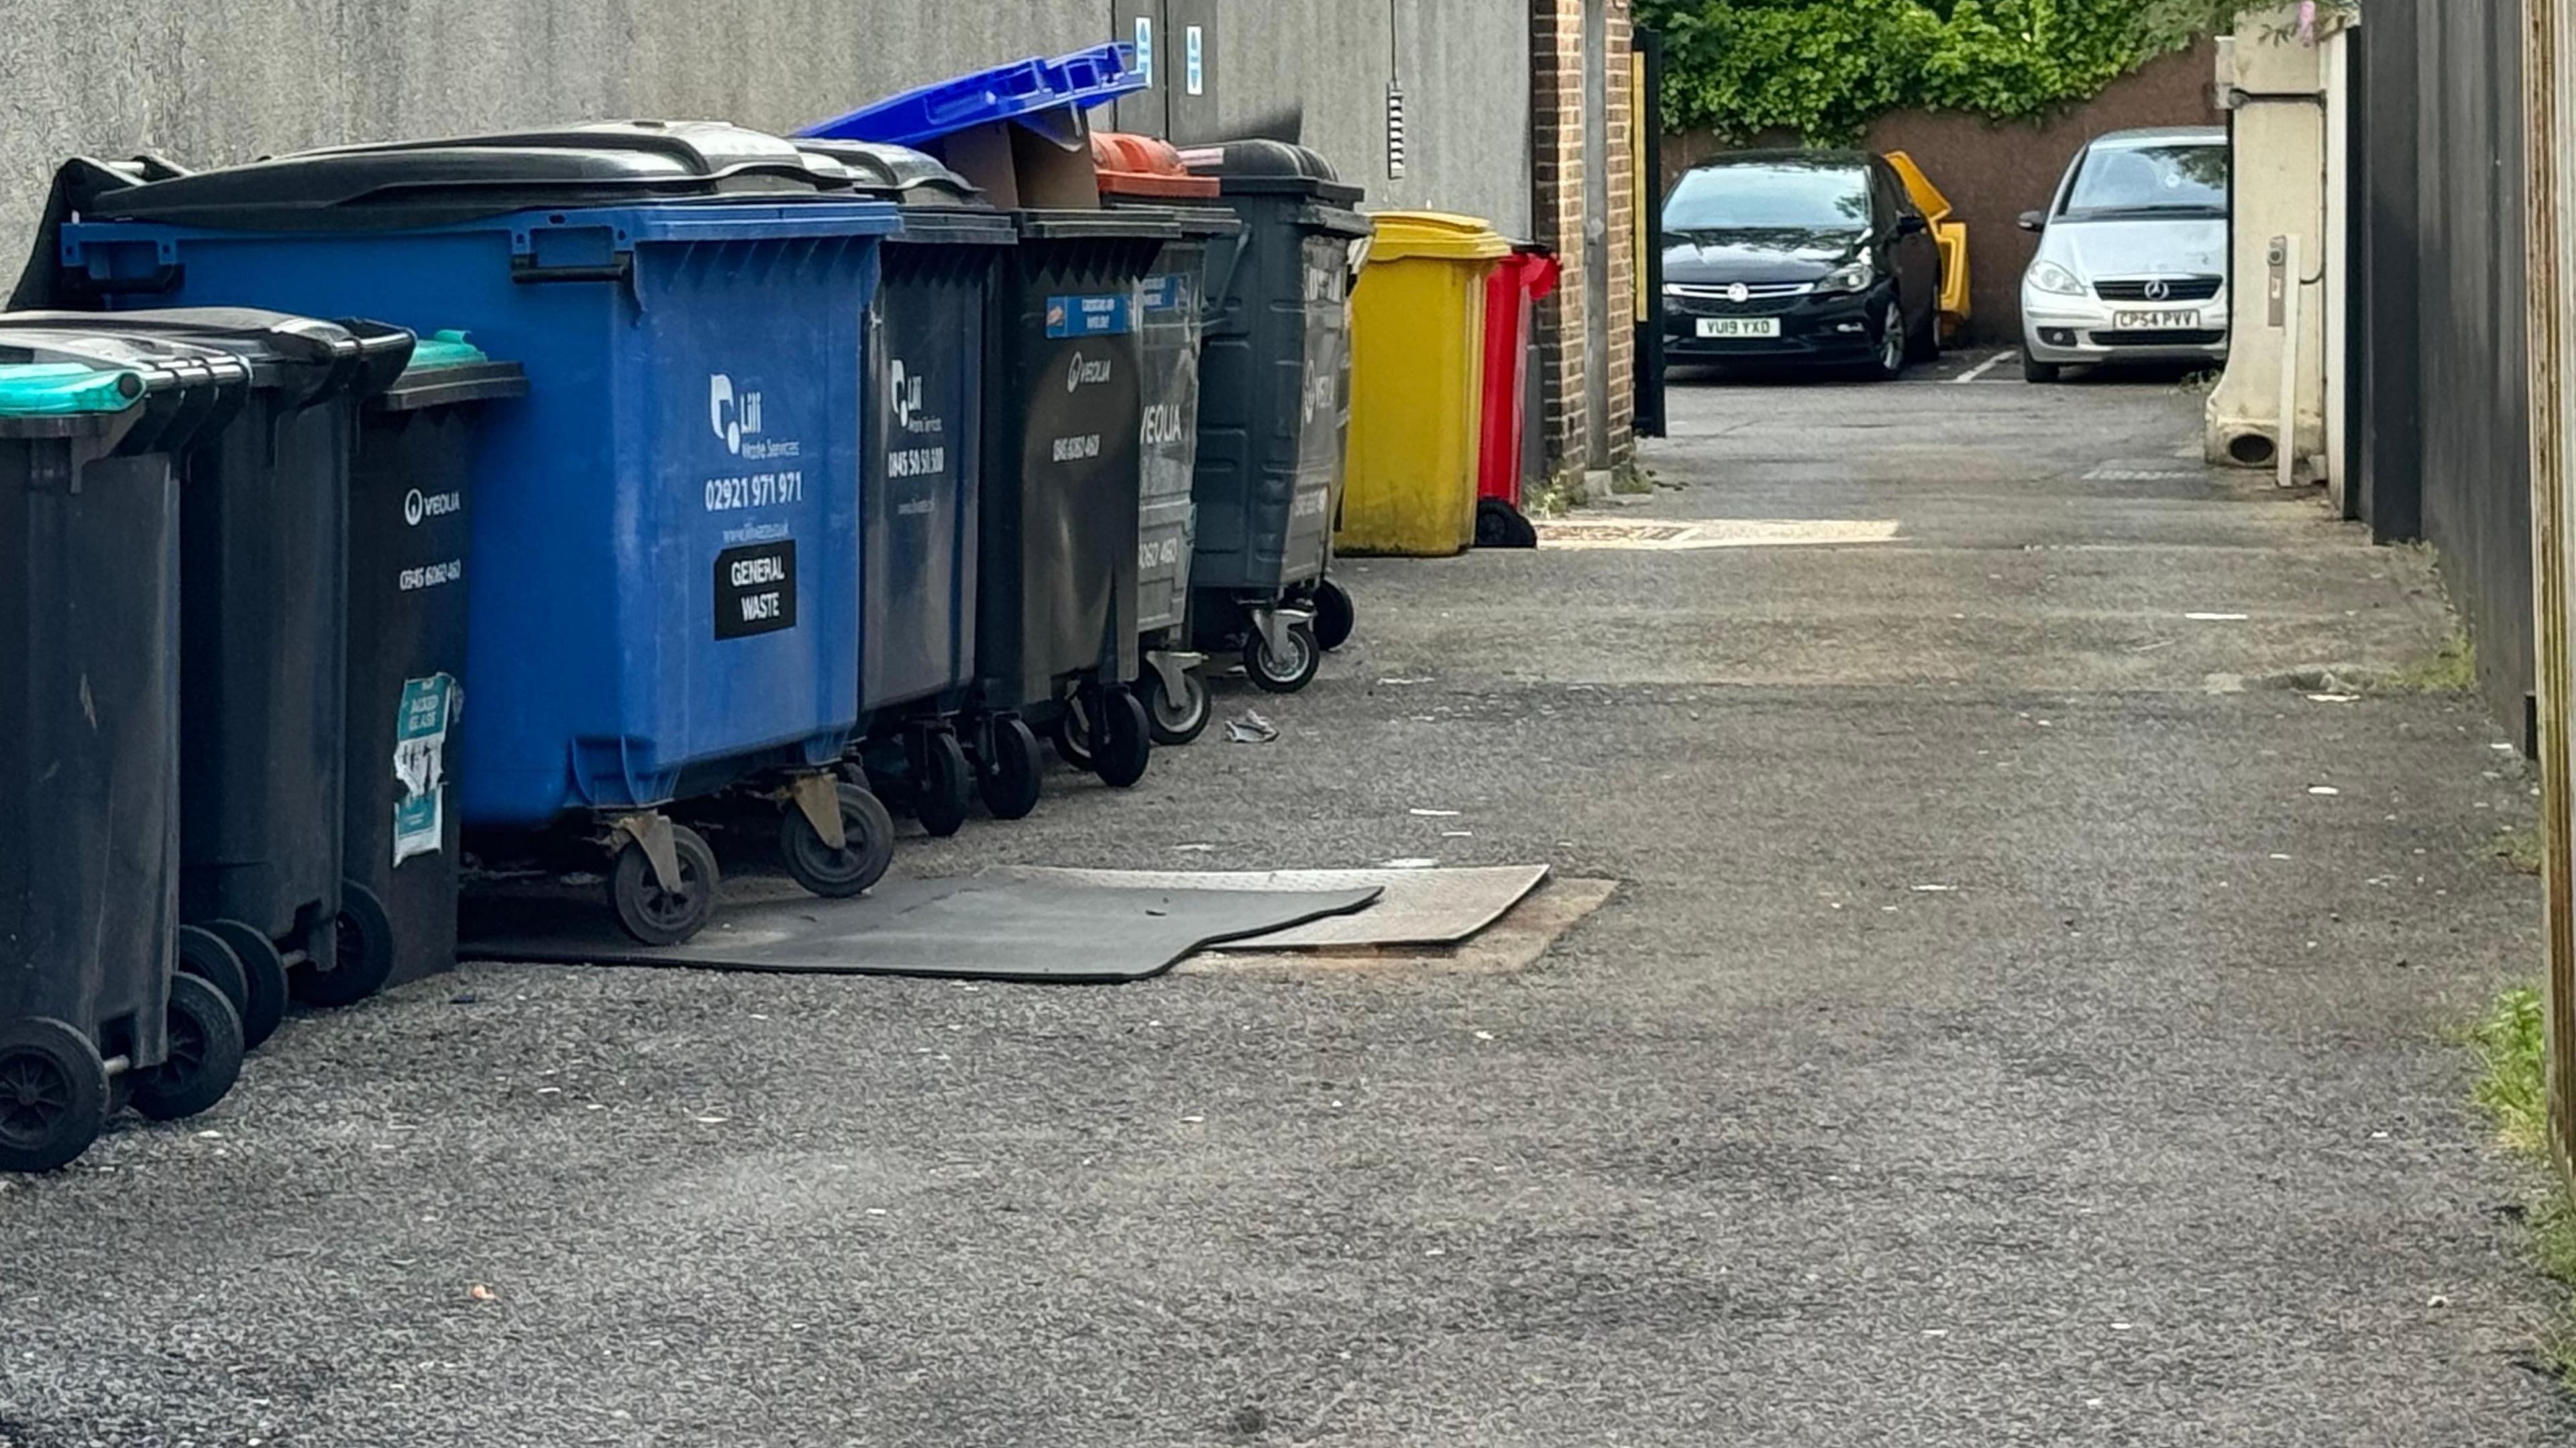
(411, 497)
(922, 488)
(263, 638)
(1141, 171)
(91, 1006)
(1274, 415)
(1056, 633)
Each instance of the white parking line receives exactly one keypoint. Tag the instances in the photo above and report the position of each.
(1982, 368)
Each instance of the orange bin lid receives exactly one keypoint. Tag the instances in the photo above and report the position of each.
(1133, 165)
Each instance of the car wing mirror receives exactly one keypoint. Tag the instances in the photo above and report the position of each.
(2033, 221)
(1912, 225)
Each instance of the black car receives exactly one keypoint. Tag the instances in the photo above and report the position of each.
(1799, 257)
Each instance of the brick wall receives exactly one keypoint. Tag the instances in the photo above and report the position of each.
(1556, 216)
(1560, 177)
(1621, 303)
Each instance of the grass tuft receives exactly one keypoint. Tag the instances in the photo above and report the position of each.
(2513, 1087)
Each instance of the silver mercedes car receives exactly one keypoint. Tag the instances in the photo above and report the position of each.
(2132, 263)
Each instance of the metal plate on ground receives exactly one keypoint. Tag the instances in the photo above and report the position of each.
(1415, 907)
(988, 928)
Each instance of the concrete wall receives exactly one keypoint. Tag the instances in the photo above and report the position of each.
(1994, 171)
(212, 81)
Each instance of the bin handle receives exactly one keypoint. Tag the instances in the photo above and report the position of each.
(527, 270)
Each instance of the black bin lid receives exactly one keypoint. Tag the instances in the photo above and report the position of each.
(898, 174)
(286, 353)
(398, 184)
(1261, 167)
(939, 206)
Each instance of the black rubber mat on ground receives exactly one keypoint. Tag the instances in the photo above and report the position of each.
(980, 929)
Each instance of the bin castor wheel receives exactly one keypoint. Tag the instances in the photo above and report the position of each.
(1073, 734)
(1182, 720)
(1012, 771)
(1284, 675)
(1334, 615)
(204, 955)
(653, 915)
(205, 1054)
(363, 954)
(867, 846)
(264, 1003)
(1125, 743)
(943, 785)
(53, 1094)
(1500, 525)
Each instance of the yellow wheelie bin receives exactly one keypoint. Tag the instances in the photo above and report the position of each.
(1417, 384)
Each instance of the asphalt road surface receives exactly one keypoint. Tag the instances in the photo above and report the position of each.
(1996, 1039)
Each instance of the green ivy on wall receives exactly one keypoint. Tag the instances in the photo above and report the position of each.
(1824, 69)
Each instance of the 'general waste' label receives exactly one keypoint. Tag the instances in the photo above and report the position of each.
(756, 589)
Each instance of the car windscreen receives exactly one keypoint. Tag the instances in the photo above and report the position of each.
(1769, 197)
(2187, 179)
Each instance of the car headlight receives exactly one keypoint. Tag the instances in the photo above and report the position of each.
(1853, 278)
(2048, 276)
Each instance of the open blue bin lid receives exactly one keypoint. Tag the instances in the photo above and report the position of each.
(1006, 92)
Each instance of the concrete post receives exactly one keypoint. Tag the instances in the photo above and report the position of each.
(2272, 79)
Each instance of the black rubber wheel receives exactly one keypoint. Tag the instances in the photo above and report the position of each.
(1888, 336)
(204, 955)
(2040, 372)
(364, 959)
(1284, 675)
(1500, 525)
(264, 968)
(867, 847)
(1334, 615)
(1178, 721)
(653, 915)
(1012, 770)
(943, 785)
(53, 1094)
(1072, 734)
(1126, 743)
(205, 1055)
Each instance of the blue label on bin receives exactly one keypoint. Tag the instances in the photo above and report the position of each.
(1163, 293)
(1113, 315)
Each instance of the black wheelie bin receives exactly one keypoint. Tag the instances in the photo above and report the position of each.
(411, 496)
(1274, 415)
(91, 1009)
(1056, 634)
(921, 491)
(263, 636)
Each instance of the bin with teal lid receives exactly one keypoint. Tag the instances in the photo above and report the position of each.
(411, 503)
(90, 991)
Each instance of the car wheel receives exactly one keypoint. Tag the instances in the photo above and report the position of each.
(1889, 364)
(2034, 370)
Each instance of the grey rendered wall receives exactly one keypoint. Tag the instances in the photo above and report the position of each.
(212, 81)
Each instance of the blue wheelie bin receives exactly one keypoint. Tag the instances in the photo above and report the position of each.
(663, 577)
(922, 486)
(91, 428)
